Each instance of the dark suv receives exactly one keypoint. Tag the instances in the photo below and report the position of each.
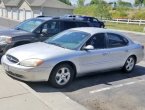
(94, 21)
(37, 29)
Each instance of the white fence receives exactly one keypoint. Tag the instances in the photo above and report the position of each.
(127, 21)
(19, 14)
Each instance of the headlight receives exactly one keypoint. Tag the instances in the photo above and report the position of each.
(5, 39)
(31, 62)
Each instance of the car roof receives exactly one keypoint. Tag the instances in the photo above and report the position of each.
(47, 18)
(44, 18)
(94, 30)
(59, 19)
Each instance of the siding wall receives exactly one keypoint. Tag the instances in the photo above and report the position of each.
(56, 11)
(24, 11)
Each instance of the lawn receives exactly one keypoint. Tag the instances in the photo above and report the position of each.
(127, 27)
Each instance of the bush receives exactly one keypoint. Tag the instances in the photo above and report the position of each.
(139, 15)
(85, 10)
(105, 11)
(119, 14)
(93, 10)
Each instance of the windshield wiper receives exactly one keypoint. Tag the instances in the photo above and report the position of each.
(20, 29)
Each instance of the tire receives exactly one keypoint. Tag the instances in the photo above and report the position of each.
(129, 64)
(61, 76)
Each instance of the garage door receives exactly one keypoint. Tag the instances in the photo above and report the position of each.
(15, 13)
(28, 14)
(4, 12)
(21, 15)
(9, 12)
(36, 13)
(1, 13)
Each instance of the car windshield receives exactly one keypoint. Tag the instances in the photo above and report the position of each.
(68, 39)
(29, 25)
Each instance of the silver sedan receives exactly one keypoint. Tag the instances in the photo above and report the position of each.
(72, 53)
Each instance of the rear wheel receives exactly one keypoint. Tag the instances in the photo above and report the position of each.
(129, 64)
(62, 75)
(102, 26)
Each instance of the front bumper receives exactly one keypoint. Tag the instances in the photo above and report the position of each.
(31, 74)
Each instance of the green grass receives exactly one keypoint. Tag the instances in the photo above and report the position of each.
(127, 27)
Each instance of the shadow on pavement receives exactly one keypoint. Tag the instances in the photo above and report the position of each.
(88, 81)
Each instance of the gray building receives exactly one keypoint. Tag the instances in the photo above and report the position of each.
(25, 9)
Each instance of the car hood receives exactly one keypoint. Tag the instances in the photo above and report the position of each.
(13, 32)
(39, 50)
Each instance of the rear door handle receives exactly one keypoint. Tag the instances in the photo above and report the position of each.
(126, 50)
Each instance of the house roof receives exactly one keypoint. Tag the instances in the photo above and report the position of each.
(49, 3)
(57, 4)
(39, 3)
(11, 2)
(35, 2)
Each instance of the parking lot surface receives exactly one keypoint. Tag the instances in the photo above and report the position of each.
(103, 91)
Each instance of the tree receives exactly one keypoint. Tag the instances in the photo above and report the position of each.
(101, 8)
(139, 3)
(95, 2)
(124, 4)
(98, 2)
(102, 11)
(81, 2)
(66, 2)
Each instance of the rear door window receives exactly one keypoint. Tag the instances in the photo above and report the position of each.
(115, 40)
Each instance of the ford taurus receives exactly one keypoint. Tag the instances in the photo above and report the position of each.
(72, 53)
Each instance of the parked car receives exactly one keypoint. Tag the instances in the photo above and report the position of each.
(36, 29)
(94, 21)
(72, 53)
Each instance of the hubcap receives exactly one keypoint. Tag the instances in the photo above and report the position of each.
(130, 64)
(62, 76)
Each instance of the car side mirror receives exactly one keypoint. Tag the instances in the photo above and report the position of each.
(88, 47)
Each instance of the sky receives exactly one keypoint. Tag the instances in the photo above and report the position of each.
(74, 1)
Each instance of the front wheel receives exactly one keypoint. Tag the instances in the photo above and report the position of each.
(61, 75)
(129, 64)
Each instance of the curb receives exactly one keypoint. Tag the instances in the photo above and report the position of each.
(56, 101)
